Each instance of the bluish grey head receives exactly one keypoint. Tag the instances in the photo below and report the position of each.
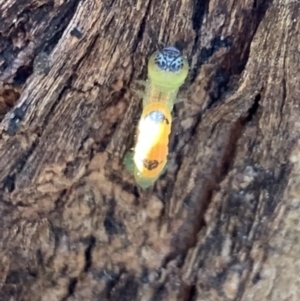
(169, 59)
(157, 117)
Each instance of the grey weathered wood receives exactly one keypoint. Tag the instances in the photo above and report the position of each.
(222, 224)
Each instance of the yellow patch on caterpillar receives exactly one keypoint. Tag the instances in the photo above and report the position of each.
(151, 150)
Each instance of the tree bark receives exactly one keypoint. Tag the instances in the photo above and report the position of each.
(221, 224)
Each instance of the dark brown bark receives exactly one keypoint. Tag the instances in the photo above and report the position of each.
(221, 224)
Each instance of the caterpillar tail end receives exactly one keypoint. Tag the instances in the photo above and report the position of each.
(143, 182)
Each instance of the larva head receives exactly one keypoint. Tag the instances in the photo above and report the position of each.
(168, 68)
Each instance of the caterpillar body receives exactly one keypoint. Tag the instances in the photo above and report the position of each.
(167, 71)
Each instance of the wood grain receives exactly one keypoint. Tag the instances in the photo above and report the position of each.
(221, 224)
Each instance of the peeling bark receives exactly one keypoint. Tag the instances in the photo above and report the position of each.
(221, 224)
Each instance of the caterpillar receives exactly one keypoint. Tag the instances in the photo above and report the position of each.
(167, 71)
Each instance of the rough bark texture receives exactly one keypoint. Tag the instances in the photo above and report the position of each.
(221, 224)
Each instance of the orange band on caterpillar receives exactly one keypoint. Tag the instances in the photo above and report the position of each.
(151, 150)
